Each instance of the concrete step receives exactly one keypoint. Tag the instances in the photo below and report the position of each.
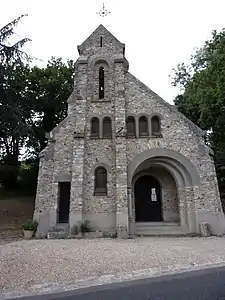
(157, 224)
(159, 228)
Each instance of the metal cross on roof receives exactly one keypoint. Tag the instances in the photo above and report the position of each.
(103, 12)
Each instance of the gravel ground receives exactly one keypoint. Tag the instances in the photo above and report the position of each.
(24, 264)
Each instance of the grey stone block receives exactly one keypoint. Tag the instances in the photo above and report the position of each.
(43, 225)
(57, 235)
(204, 229)
(122, 232)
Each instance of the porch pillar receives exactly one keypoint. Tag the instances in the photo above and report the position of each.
(130, 212)
(183, 208)
(191, 210)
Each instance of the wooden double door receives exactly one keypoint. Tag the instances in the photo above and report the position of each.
(148, 202)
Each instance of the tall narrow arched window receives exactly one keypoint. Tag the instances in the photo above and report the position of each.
(131, 130)
(107, 127)
(100, 188)
(155, 124)
(143, 126)
(101, 83)
(95, 127)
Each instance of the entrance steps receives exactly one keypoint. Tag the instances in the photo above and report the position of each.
(59, 231)
(159, 228)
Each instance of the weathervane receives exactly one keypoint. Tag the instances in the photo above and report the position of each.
(103, 12)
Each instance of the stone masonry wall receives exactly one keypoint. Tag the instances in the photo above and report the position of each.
(179, 135)
(102, 210)
(44, 185)
(99, 210)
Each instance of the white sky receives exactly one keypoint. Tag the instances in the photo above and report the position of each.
(158, 34)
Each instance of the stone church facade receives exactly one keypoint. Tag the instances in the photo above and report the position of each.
(123, 158)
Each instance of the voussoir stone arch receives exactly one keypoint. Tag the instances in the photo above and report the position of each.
(181, 179)
(156, 114)
(170, 159)
(98, 60)
(101, 164)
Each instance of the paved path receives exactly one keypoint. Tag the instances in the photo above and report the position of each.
(208, 284)
(40, 266)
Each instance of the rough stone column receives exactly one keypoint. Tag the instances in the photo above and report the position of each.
(131, 214)
(76, 199)
(183, 208)
(122, 218)
(191, 215)
(76, 202)
(45, 202)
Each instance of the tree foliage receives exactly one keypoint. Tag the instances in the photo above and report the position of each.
(32, 102)
(12, 112)
(202, 97)
(48, 90)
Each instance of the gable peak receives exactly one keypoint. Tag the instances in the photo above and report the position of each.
(100, 37)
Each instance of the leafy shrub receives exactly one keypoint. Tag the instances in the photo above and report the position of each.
(75, 229)
(85, 226)
(30, 225)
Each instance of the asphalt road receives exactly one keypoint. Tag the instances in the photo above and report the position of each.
(208, 284)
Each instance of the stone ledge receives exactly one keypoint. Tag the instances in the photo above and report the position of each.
(78, 135)
(57, 235)
(101, 101)
(156, 135)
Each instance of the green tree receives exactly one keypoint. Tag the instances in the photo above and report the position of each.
(48, 91)
(13, 123)
(32, 102)
(202, 97)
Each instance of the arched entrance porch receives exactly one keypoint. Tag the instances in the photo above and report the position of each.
(160, 192)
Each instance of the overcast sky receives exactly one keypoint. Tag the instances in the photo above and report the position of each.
(158, 34)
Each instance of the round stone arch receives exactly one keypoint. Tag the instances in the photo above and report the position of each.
(95, 64)
(184, 173)
(109, 175)
(183, 170)
(98, 60)
(101, 164)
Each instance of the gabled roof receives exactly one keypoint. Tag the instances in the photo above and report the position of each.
(100, 31)
(197, 130)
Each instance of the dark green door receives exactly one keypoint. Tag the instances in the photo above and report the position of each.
(64, 202)
(148, 206)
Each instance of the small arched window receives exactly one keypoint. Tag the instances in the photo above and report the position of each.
(143, 126)
(95, 127)
(107, 127)
(101, 83)
(131, 130)
(100, 188)
(155, 124)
